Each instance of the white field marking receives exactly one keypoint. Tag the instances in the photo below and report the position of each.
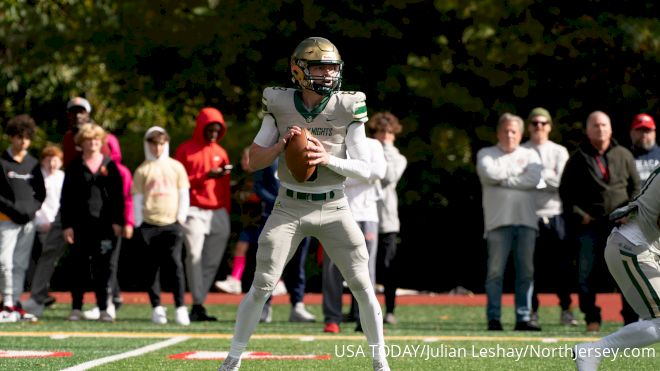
(59, 337)
(307, 338)
(132, 353)
(161, 335)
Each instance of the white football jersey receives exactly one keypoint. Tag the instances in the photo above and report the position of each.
(328, 122)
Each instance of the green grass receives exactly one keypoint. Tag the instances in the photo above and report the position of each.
(457, 328)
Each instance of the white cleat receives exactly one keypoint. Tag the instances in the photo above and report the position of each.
(159, 315)
(230, 364)
(585, 357)
(381, 365)
(300, 314)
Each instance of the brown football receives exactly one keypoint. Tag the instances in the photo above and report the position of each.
(296, 157)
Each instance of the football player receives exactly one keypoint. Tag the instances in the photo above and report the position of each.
(632, 255)
(316, 207)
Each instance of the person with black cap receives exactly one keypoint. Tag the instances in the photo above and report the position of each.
(644, 147)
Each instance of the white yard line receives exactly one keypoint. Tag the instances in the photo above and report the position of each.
(132, 353)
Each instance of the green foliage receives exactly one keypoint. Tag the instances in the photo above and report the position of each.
(448, 69)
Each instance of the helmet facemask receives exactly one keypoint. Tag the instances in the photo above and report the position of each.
(315, 51)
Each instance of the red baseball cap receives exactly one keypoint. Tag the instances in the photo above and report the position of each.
(643, 121)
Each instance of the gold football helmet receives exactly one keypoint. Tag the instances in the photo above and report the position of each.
(315, 51)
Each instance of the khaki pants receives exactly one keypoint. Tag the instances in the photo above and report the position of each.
(330, 221)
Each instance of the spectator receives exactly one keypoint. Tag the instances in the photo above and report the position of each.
(161, 201)
(597, 179)
(78, 113)
(207, 226)
(644, 148)
(126, 234)
(92, 215)
(22, 191)
(384, 127)
(51, 164)
(550, 242)
(509, 174)
(362, 198)
(250, 206)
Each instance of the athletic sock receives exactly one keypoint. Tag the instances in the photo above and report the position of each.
(634, 335)
(238, 267)
(371, 318)
(247, 318)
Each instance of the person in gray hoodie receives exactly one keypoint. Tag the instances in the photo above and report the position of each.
(384, 127)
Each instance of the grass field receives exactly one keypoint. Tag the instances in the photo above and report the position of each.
(427, 338)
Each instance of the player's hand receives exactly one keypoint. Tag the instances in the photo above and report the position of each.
(295, 130)
(68, 235)
(317, 154)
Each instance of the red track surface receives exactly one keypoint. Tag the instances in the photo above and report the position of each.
(609, 303)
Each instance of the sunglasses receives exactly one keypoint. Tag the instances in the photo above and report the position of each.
(537, 123)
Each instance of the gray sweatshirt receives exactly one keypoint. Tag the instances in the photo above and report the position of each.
(388, 204)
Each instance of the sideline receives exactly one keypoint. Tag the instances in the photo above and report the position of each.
(132, 353)
(301, 337)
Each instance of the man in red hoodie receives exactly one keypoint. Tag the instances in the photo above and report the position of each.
(207, 225)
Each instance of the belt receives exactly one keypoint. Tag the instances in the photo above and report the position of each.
(310, 196)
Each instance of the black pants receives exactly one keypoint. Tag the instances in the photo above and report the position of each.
(553, 254)
(387, 266)
(163, 247)
(93, 248)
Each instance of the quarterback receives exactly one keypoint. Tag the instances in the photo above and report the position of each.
(633, 256)
(317, 206)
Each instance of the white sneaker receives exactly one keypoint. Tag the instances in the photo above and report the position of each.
(111, 310)
(7, 315)
(92, 314)
(300, 314)
(158, 315)
(32, 307)
(231, 286)
(76, 315)
(280, 288)
(230, 364)
(181, 316)
(585, 357)
(104, 316)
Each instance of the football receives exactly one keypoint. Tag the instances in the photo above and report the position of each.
(296, 159)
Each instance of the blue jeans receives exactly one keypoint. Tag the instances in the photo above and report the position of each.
(500, 242)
